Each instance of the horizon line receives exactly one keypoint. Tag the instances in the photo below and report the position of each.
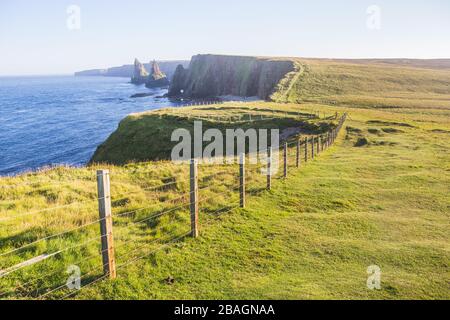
(219, 54)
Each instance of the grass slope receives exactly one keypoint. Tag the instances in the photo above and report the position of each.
(316, 233)
(147, 135)
(371, 84)
(378, 196)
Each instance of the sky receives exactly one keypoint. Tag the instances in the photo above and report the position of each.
(61, 37)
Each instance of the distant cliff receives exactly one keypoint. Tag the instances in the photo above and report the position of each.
(217, 75)
(126, 71)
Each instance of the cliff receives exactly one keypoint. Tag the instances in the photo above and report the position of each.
(126, 71)
(217, 75)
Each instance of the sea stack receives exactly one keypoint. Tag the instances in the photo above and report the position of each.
(157, 78)
(140, 75)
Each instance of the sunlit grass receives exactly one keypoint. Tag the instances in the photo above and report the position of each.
(379, 196)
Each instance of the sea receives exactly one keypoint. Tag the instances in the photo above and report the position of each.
(60, 120)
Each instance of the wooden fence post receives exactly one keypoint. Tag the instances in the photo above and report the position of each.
(318, 144)
(297, 159)
(285, 157)
(269, 168)
(106, 225)
(306, 149)
(242, 180)
(194, 198)
(312, 148)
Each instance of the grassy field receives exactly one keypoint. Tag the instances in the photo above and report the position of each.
(370, 85)
(378, 196)
(316, 233)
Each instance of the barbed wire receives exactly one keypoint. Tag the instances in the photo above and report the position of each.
(147, 189)
(50, 255)
(55, 270)
(160, 214)
(165, 245)
(149, 207)
(200, 200)
(51, 237)
(47, 209)
(90, 271)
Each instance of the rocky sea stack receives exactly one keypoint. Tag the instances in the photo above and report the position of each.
(218, 75)
(140, 75)
(157, 78)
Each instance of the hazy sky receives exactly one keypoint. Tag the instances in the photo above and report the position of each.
(35, 37)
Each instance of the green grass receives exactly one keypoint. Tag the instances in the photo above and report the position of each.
(315, 234)
(383, 202)
(371, 85)
(147, 136)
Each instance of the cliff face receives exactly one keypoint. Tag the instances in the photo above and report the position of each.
(216, 75)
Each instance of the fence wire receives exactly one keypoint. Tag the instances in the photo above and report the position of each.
(135, 255)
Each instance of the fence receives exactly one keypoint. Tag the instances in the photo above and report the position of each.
(305, 149)
(202, 103)
(253, 117)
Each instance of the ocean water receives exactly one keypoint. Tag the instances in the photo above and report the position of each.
(62, 119)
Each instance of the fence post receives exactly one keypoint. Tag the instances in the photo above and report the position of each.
(312, 148)
(285, 157)
(194, 198)
(269, 168)
(242, 180)
(306, 149)
(106, 226)
(318, 144)
(297, 159)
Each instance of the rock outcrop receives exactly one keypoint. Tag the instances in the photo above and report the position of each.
(157, 78)
(140, 74)
(127, 70)
(217, 75)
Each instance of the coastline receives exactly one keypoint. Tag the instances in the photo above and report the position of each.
(61, 120)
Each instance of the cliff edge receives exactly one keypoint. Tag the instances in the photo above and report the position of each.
(217, 75)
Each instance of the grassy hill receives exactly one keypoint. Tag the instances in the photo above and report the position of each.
(371, 84)
(147, 135)
(379, 196)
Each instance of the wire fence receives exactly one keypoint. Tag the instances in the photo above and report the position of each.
(248, 117)
(38, 268)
